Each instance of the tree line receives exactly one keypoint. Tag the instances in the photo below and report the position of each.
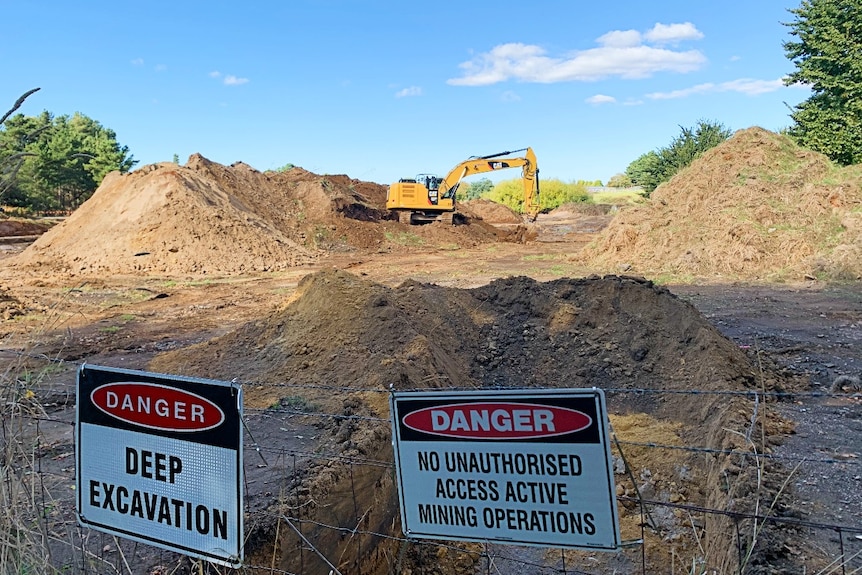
(825, 49)
(55, 163)
(552, 192)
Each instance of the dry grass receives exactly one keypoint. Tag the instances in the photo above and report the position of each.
(38, 531)
(24, 534)
(756, 207)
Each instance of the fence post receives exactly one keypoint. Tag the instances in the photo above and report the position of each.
(295, 481)
(841, 546)
(356, 532)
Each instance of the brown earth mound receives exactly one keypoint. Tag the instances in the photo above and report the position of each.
(755, 207)
(491, 212)
(584, 209)
(11, 227)
(341, 341)
(205, 218)
(11, 306)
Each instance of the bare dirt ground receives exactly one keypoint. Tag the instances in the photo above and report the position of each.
(815, 331)
(304, 288)
(811, 329)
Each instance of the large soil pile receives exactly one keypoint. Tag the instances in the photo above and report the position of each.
(206, 218)
(754, 207)
(347, 334)
(492, 212)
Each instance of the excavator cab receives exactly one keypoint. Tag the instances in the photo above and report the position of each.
(432, 185)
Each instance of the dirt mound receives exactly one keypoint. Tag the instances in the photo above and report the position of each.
(755, 207)
(612, 332)
(168, 219)
(10, 227)
(10, 306)
(491, 212)
(208, 219)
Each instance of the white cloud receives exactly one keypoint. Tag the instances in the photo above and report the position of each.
(510, 96)
(601, 99)
(411, 91)
(620, 38)
(138, 62)
(231, 80)
(751, 87)
(735, 58)
(747, 86)
(160, 68)
(685, 92)
(673, 33)
(620, 53)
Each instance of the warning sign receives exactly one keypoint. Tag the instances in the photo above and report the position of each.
(528, 467)
(159, 460)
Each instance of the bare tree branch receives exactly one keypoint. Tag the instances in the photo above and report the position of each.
(17, 104)
(10, 166)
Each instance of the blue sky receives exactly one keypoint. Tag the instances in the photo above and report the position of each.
(380, 90)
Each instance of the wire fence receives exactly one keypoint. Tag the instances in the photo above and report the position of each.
(320, 496)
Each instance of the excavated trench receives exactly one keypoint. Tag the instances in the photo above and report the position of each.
(617, 333)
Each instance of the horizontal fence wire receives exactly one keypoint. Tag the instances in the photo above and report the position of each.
(788, 395)
(743, 515)
(847, 460)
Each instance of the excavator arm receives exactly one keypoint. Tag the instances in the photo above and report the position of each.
(500, 161)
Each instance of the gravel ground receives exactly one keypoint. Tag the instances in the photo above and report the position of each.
(815, 332)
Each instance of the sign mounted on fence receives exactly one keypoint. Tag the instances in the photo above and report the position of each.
(159, 460)
(529, 467)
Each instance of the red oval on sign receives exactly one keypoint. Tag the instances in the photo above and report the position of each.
(497, 420)
(157, 406)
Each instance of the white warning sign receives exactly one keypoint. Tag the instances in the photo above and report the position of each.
(159, 460)
(528, 467)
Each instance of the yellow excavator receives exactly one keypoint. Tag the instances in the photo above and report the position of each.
(428, 198)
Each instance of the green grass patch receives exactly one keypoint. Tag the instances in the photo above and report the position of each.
(29, 377)
(404, 238)
(296, 403)
(742, 178)
(839, 175)
(542, 257)
(621, 198)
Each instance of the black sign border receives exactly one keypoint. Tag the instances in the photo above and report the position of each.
(227, 435)
(537, 396)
